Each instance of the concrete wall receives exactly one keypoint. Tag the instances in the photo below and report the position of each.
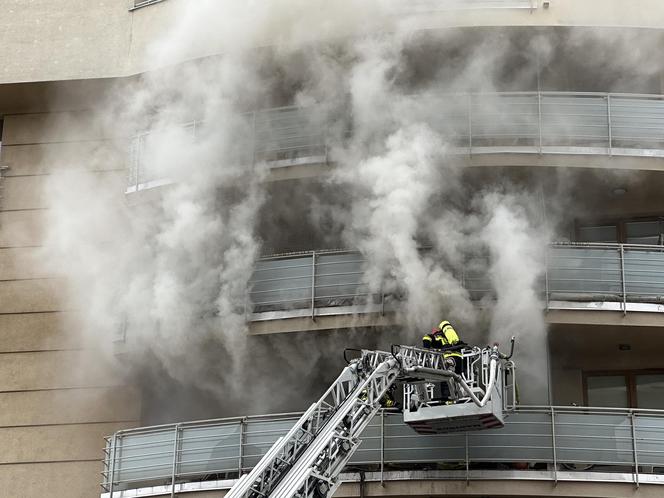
(59, 396)
(76, 479)
(50, 40)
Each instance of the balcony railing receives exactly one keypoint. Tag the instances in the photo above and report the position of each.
(615, 277)
(519, 123)
(566, 443)
(624, 277)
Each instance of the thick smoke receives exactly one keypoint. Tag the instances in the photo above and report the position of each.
(406, 188)
(172, 270)
(515, 249)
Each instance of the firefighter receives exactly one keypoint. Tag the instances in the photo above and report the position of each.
(387, 401)
(441, 337)
(445, 338)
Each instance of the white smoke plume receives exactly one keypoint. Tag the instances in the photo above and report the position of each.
(173, 270)
(517, 263)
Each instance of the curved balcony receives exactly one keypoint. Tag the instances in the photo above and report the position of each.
(613, 277)
(523, 123)
(560, 444)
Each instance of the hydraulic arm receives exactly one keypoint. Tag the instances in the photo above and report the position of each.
(306, 462)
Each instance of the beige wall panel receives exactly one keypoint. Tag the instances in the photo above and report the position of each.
(51, 480)
(46, 331)
(24, 192)
(55, 443)
(53, 127)
(37, 192)
(70, 406)
(102, 39)
(21, 296)
(22, 228)
(56, 370)
(63, 39)
(39, 332)
(148, 25)
(22, 262)
(42, 159)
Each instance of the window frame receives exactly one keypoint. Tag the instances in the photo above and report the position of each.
(630, 381)
(619, 224)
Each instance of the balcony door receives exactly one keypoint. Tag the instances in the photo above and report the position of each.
(625, 389)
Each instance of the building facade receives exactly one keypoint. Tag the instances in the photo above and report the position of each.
(572, 118)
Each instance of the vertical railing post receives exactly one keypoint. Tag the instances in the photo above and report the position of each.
(137, 159)
(608, 119)
(632, 416)
(467, 461)
(546, 276)
(622, 279)
(176, 441)
(241, 452)
(325, 138)
(382, 446)
(539, 119)
(254, 141)
(553, 446)
(111, 470)
(470, 124)
(313, 286)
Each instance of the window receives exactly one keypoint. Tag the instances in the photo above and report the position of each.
(650, 390)
(607, 390)
(643, 232)
(599, 233)
(629, 389)
(649, 231)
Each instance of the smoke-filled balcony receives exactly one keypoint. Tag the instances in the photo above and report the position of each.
(614, 277)
(560, 444)
(536, 123)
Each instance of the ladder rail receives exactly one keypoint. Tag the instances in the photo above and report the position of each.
(327, 455)
(286, 451)
(307, 461)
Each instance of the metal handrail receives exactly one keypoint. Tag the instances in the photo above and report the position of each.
(580, 272)
(549, 435)
(550, 122)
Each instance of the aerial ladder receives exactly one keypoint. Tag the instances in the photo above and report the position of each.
(306, 462)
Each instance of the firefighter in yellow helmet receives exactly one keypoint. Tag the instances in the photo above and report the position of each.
(445, 338)
(441, 337)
